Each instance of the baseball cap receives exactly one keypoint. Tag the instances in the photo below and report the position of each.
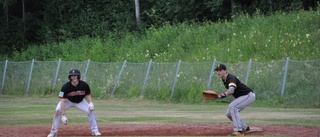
(220, 67)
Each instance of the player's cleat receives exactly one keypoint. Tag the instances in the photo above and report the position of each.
(237, 133)
(247, 130)
(52, 134)
(96, 133)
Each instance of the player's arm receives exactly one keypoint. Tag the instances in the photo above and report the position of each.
(88, 93)
(230, 91)
(63, 98)
(64, 118)
(62, 105)
(89, 99)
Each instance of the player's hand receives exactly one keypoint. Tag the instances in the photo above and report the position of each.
(223, 95)
(91, 106)
(64, 119)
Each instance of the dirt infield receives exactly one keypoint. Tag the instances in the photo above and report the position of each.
(159, 130)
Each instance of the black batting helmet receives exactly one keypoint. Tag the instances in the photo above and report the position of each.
(74, 72)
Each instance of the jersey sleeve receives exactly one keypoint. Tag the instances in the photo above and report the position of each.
(232, 82)
(88, 91)
(62, 93)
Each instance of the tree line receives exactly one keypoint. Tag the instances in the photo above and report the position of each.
(26, 23)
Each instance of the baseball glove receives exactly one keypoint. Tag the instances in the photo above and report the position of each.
(210, 95)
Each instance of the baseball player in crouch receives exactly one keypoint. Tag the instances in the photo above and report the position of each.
(242, 97)
(72, 95)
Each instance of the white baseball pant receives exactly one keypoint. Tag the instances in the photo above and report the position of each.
(83, 106)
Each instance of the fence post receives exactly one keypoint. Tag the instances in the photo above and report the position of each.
(4, 76)
(56, 76)
(175, 79)
(285, 76)
(119, 75)
(211, 73)
(145, 78)
(30, 75)
(248, 71)
(86, 71)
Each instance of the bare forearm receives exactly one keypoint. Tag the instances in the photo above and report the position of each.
(230, 91)
(89, 99)
(62, 106)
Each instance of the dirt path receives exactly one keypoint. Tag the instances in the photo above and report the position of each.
(160, 130)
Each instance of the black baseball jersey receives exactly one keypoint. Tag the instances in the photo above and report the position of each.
(240, 88)
(74, 94)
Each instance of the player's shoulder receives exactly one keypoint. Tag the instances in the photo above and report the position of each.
(66, 84)
(230, 76)
(83, 82)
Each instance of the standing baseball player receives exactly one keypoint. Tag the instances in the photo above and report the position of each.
(242, 97)
(72, 95)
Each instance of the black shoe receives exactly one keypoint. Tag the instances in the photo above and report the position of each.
(247, 130)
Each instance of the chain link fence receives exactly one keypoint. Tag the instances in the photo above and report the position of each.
(289, 81)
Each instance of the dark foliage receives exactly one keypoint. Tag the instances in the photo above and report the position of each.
(31, 22)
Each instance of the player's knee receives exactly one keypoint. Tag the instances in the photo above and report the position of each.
(56, 113)
(87, 112)
(231, 107)
(228, 115)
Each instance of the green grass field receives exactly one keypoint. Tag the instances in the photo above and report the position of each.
(37, 111)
